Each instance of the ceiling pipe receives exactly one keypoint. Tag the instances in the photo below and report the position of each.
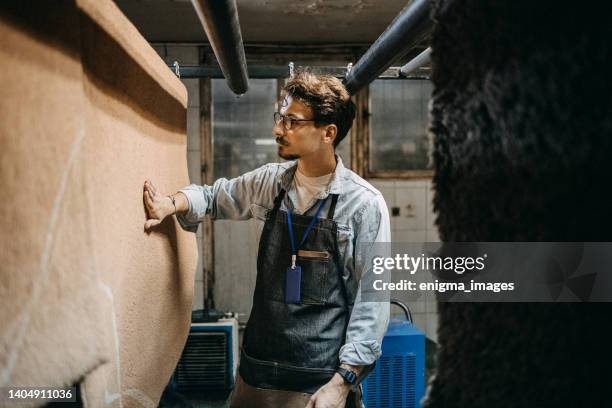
(280, 71)
(220, 21)
(410, 26)
(416, 63)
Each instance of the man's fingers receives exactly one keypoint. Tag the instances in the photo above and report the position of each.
(152, 188)
(148, 199)
(148, 186)
(311, 403)
(149, 194)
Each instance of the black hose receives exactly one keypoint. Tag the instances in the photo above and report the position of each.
(403, 307)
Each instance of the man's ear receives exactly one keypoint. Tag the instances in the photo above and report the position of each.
(331, 131)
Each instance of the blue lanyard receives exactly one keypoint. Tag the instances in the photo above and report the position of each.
(290, 226)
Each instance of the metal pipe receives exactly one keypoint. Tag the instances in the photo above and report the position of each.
(279, 71)
(254, 71)
(220, 21)
(407, 29)
(416, 63)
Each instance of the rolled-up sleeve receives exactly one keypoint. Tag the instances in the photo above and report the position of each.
(227, 199)
(369, 320)
(198, 204)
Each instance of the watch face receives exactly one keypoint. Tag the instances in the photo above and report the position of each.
(349, 376)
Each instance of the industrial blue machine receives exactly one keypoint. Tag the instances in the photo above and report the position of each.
(398, 380)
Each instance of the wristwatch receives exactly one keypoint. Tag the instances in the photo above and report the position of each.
(349, 376)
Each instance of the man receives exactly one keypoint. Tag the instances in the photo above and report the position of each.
(310, 336)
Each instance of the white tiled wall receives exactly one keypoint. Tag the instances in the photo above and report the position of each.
(414, 223)
(236, 246)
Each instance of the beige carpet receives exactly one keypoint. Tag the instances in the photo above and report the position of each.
(88, 112)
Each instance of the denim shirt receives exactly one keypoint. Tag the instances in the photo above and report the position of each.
(361, 215)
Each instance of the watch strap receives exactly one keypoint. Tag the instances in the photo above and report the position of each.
(349, 376)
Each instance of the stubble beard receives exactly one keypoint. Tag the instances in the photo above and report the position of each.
(287, 156)
(282, 144)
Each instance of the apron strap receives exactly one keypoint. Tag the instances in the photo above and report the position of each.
(278, 200)
(332, 207)
(330, 216)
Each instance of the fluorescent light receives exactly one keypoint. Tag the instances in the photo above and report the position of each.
(265, 142)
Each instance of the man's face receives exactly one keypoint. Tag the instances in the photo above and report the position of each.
(303, 138)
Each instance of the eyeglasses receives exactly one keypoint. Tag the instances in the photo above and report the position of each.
(288, 120)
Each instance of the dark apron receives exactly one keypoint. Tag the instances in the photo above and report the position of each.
(294, 347)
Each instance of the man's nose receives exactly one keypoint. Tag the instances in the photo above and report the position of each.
(278, 129)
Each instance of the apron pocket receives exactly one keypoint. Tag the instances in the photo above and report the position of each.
(314, 279)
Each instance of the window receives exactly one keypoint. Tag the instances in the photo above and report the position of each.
(398, 142)
(242, 127)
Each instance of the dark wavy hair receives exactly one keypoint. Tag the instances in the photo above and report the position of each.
(327, 97)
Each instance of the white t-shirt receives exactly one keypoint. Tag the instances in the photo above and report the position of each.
(307, 187)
